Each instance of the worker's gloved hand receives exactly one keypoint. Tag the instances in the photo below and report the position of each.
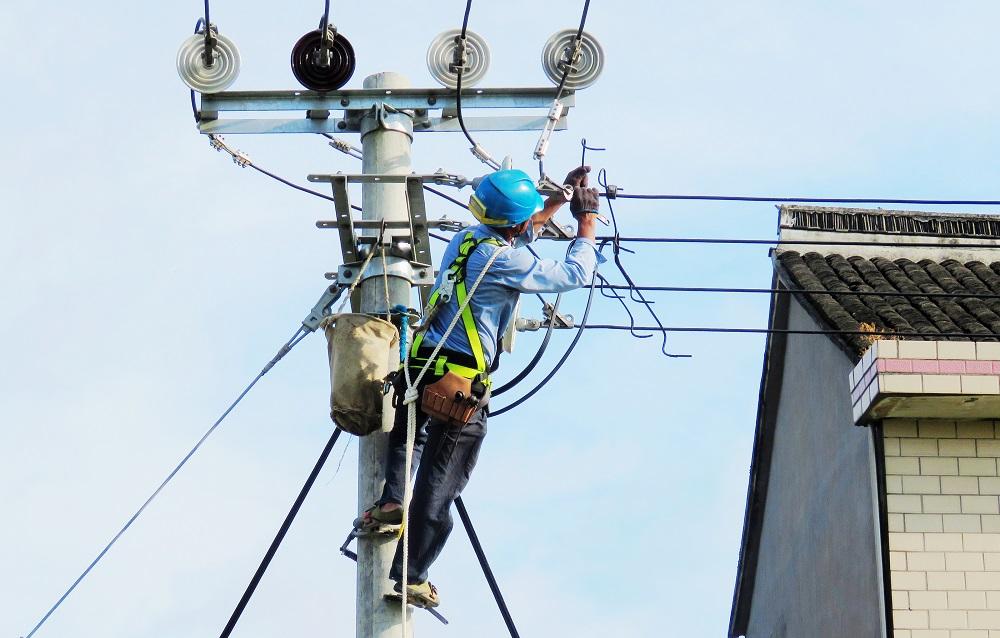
(585, 200)
(577, 178)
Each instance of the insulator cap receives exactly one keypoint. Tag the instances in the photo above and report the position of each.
(587, 67)
(314, 73)
(202, 77)
(441, 56)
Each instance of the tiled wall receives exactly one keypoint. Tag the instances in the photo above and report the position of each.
(943, 493)
(924, 367)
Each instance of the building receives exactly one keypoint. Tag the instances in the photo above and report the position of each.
(873, 506)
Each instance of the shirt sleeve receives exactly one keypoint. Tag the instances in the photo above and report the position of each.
(522, 271)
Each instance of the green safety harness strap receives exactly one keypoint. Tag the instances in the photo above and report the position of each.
(454, 278)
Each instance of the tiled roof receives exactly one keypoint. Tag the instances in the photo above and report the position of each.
(927, 316)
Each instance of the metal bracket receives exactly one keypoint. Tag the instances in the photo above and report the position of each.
(532, 325)
(438, 177)
(386, 117)
(345, 222)
(352, 105)
(349, 553)
(413, 271)
(211, 41)
(450, 225)
(548, 187)
(552, 230)
(322, 307)
(560, 320)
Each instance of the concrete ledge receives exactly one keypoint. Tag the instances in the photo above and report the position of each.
(926, 379)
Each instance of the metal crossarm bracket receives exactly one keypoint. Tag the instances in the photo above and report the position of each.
(345, 222)
(433, 109)
(417, 268)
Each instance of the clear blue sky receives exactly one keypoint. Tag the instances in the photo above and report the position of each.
(147, 278)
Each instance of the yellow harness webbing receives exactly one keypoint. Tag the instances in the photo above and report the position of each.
(457, 273)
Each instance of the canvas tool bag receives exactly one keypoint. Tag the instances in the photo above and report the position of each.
(362, 351)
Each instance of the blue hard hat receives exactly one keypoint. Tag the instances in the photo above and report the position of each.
(505, 198)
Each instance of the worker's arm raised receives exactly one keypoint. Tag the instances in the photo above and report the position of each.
(577, 178)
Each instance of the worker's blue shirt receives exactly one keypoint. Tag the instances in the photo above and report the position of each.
(515, 271)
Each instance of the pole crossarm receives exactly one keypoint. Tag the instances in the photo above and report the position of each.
(432, 109)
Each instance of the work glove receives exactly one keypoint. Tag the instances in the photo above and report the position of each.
(585, 200)
(577, 178)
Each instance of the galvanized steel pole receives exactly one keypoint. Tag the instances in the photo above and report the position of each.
(386, 136)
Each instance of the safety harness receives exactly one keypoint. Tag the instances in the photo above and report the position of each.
(454, 282)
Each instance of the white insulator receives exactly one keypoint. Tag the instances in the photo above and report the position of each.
(202, 77)
(441, 54)
(587, 67)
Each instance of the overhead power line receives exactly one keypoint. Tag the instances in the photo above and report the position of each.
(723, 329)
(241, 159)
(299, 335)
(807, 291)
(789, 242)
(808, 200)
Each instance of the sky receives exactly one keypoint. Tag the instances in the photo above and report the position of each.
(146, 279)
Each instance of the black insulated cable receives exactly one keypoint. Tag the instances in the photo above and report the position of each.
(487, 572)
(458, 80)
(876, 334)
(280, 536)
(810, 200)
(799, 242)
(300, 334)
(562, 360)
(579, 36)
(636, 295)
(804, 291)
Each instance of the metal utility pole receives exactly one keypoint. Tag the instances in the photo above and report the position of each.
(386, 136)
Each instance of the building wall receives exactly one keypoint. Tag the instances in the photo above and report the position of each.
(942, 491)
(818, 570)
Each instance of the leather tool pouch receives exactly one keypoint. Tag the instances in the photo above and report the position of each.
(450, 399)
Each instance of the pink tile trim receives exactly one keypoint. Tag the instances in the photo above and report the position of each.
(996, 367)
(946, 366)
(926, 366)
(979, 367)
(895, 365)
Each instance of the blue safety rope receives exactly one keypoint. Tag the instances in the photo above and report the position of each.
(404, 325)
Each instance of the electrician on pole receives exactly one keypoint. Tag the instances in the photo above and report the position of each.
(452, 422)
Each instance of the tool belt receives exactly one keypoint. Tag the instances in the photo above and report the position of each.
(453, 390)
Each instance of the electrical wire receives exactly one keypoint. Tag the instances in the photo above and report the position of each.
(636, 295)
(300, 334)
(809, 200)
(579, 36)
(869, 333)
(562, 360)
(208, 21)
(585, 148)
(280, 536)
(538, 354)
(477, 150)
(788, 242)
(805, 291)
(242, 160)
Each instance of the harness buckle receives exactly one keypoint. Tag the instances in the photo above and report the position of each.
(447, 286)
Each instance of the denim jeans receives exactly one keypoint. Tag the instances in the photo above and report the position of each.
(443, 456)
